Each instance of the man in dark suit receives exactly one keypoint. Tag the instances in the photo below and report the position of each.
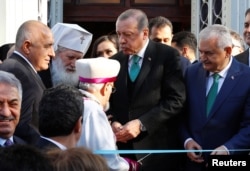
(60, 117)
(141, 108)
(244, 56)
(221, 125)
(186, 43)
(33, 51)
(10, 107)
(161, 30)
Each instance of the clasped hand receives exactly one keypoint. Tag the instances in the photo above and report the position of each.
(197, 156)
(126, 132)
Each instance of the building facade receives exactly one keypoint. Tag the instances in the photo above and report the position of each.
(98, 16)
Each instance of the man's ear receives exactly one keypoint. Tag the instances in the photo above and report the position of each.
(185, 51)
(26, 47)
(104, 89)
(228, 50)
(145, 33)
(78, 125)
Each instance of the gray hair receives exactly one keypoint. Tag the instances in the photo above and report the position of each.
(22, 34)
(61, 49)
(222, 33)
(10, 79)
(90, 87)
(28, 30)
(139, 15)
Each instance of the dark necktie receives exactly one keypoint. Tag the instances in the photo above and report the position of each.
(212, 92)
(135, 68)
(8, 143)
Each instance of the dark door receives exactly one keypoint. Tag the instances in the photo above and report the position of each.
(99, 16)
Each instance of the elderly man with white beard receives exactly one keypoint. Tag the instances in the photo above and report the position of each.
(71, 44)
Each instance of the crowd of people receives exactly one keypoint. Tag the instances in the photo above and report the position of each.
(143, 88)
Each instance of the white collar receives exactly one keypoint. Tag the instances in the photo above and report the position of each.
(141, 53)
(223, 73)
(62, 147)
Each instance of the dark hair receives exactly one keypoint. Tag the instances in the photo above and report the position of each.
(159, 22)
(4, 50)
(76, 159)
(247, 12)
(23, 158)
(183, 38)
(112, 38)
(60, 109)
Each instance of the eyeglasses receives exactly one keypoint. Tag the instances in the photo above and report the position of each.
(113, 89)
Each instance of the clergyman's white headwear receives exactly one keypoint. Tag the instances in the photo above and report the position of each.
(97, 70)
(71, 36)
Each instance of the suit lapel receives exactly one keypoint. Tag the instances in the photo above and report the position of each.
(31, 70)
(145, 68)
(121, 81)
(201, 91)
(245, 57)
(229, 83)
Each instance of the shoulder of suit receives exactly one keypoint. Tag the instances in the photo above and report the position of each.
(243, 54)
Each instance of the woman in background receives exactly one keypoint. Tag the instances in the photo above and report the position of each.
(105, 46)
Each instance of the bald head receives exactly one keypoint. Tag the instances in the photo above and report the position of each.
(34, 40)
(29, 30)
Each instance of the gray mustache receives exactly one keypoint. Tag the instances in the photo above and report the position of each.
(3, 118)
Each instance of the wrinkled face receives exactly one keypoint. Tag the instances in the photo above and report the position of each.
(106, 49)
(109, 89)
(60, 74)
(246, 31)
(10, 106)
(41, 50)
(131, 40)
(214, 59)
(236, 47)
(69, 58)
(162, 35)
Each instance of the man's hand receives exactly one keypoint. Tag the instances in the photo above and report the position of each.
(221, 150)
(194, 156)
(116, 126)
(128, 131)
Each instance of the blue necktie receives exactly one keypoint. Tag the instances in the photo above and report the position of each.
(8, 143)
(212, 92)
(135, 68)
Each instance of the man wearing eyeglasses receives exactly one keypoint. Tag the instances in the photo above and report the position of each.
(96, 82)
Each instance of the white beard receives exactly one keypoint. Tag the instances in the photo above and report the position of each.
(59, 75)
